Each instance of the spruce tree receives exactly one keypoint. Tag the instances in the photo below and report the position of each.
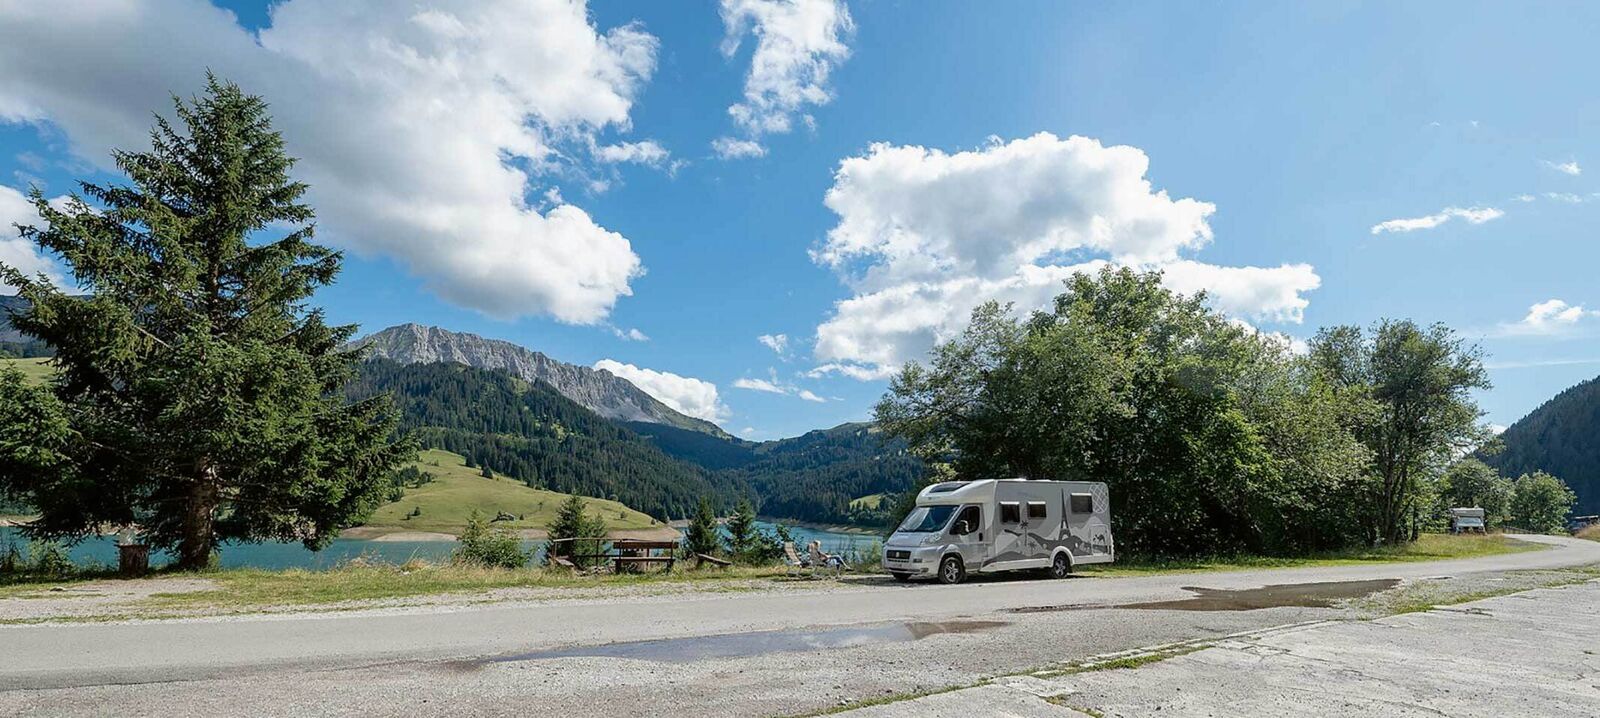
(702, 534)
(203, 393)
(573, 522)
(742, 534)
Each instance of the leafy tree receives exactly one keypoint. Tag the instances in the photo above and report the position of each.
(702, 534)
(201, 391)
(1541, 503)
(573, 522)
(1413, 389)
(1210, 437)
(742, 533)
(493, 548)
(1470, 483)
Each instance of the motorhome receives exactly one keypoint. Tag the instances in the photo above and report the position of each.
(963, 527)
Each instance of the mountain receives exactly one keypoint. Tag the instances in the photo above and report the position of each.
(600, 391)
(13, 342)
(813, 477)
(532, 433)
(1560, 438)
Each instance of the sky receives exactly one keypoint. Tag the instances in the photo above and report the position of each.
(757, 210)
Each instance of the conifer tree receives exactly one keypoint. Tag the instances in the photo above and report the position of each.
(202, 392)
(702, 534)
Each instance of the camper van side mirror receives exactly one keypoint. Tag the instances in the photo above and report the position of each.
(962, 528)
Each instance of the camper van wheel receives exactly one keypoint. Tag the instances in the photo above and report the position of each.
(1061, 567)
(951, 570)
(901, 577)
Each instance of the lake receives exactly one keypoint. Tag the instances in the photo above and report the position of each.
(279, 555)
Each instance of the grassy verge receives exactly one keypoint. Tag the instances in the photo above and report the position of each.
(296, 587)
(1430, 547)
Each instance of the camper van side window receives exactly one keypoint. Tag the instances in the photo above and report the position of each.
(1083, 503)
(1010, 512)
(1036, 510)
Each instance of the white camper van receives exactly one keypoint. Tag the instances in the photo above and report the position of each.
(962, 527)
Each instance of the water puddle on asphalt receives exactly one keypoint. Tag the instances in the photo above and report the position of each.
(1302, 595)
(744, 645)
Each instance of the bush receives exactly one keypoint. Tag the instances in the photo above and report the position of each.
(494, 548)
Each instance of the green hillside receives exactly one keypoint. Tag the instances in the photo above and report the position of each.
(1560, 438)
(36, 370)
(531, 433)
(450, 498)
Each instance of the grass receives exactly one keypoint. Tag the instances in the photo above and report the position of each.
(870, 502)
(37, 371)
(1591, 532)
(456, 491)
(1429, 547)
(300, 587)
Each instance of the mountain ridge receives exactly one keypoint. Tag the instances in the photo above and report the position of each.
(600, 391)
(1558, 438)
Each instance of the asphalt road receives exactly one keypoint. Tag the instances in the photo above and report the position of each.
(700, 654)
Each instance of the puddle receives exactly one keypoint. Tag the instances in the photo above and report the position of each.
(1302, 595)
(743, 645)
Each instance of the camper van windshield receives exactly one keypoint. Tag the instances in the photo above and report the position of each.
(925, 519)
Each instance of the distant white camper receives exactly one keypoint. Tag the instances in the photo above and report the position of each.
(964, 527)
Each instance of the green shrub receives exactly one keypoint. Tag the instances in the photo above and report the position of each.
(494, 548)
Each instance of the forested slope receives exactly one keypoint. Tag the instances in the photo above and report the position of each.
(1561, 438)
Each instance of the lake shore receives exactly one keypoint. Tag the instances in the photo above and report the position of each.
(387, 534)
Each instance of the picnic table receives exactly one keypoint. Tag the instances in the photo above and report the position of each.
(624, 555)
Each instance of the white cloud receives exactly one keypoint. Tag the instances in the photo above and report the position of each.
(1524, 198)
(759, 385)
(858, 372)
(798, 44)
(729, 148)
(924, 236)
(772, 385)
(1566, 168)
(1497, 429)
(1472, 215)
(1567, 197)
(18, 253)
(688, 395)
(1549, 317)
(630, 335)
(420, 131)
(776, 342)
(648, 152)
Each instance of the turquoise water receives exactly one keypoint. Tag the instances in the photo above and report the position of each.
(278, 555)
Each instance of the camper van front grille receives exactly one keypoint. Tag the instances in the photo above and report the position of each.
(895, 555)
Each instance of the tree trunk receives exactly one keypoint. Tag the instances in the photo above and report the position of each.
(199, 523)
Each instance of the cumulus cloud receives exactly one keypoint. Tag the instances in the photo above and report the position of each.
(648, 152)
(687, 395)
(1472, 215)
(630, 335)
(422, 131)
(809, 396)
(729, 148)
(776, 342)
(924, 236)
(18, 253)
(1549, 317)
(798, 43)
(1566, 168)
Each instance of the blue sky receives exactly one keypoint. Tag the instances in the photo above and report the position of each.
(1310, 166)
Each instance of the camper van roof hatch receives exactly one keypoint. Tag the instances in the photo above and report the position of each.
(947, 487)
